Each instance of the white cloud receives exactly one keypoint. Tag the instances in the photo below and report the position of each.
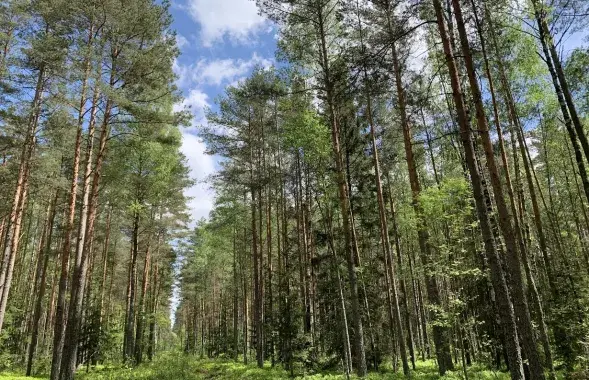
(201, 165)
(196, 102)
(181, 72)
(181, 41)
(214, 72)
(217, 72)
(237, 19)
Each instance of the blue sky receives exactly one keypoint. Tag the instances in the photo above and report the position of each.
(221, 41)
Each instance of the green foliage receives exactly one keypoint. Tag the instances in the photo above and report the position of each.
(304, 130)
(9, 376)
(577, 67)
(178, 366)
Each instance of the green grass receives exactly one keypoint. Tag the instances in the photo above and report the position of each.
(181, 367)
(177, 366)
(11, 376)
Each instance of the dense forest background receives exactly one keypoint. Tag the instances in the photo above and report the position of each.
(373, 209)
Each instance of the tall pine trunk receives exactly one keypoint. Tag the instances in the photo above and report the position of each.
(44, 255)
(518, 229)
(513, 261)
(404, 291)
(553, 59)
(129, 338)
(153, 312)
(386, 243)
(60, 313)
(141, 308)
(12, 237)
(441, 333)
(68, 362)
(344, 204)
(572, 131)
(505, 307)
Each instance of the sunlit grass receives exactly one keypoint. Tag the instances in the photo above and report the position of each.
(11, 376)
(181, 367)
(178, 366)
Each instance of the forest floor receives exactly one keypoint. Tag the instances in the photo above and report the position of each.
(182, 367)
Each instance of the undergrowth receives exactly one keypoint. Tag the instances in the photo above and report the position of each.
(182, 367)
(177, 366)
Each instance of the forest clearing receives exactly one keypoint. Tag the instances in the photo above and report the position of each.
(271, 189)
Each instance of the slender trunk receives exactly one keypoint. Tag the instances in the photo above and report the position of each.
(573, 132)
(301, 241)
(141, 308)
(245, 322)
(347, 354)
(584, 235)
(518, 230)
(514, 265)
(260, 261)
(129, 346)
(256, 280)
(405, 302)
(68, 363)
(356, 249)
(344, 202)
(506, 309)
(235, 298)
(269, 313)
(30, 270)
(44, 254)
(384, 231)
(14, 221)
(547, 40)
(50, 308)
(153, 313)
(3, 233)
(441, 332)
(104, 268)
(13, 243)
(60, 315)
(86, 340)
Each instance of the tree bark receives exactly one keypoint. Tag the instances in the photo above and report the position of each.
(441, 333)
(235, 299)
(344, 202)
(514, 265)
(129, 342)
(506, 309)
(141, 308)
(153, 312)
(44, 254)
(16, 213)
(518, 230)
(553, 60)
(404, 291)
(385, 241)
(60, 314)
(68, 363)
